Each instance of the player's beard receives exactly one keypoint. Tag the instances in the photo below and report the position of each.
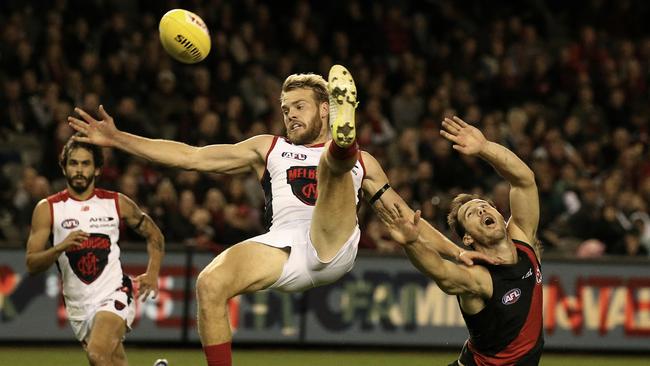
(77, 184)
(311, 133)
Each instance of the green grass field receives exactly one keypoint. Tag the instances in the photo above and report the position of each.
(72, 356)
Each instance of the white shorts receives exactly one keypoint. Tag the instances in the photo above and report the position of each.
(304, 270)
(119, 302)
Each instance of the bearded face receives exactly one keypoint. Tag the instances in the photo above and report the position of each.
(80, 183)
(301, 116)
(80, 171)
(303, 134)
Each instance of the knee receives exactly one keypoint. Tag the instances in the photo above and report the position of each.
(213, 286)
(98, 355)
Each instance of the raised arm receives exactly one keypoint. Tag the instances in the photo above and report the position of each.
(524, 199)
(225, 158)
(383, 199)
(39, 257)
(142, 224)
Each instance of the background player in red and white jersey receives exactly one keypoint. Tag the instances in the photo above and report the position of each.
(312, 187)
(501, 305)
(84, 222)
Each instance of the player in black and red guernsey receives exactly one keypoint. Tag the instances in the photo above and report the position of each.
(501, 304)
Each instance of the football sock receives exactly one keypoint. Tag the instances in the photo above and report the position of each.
(343, 153)
(218, 354)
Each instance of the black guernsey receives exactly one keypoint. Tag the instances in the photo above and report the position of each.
(508, 331)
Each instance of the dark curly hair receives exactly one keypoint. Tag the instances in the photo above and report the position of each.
(98, 156)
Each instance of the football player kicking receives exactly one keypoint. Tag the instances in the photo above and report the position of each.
(312, 182)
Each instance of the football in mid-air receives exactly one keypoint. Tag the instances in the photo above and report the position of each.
(184, 36)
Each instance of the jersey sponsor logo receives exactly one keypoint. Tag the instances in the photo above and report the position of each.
(293, 155)
(511, 296)
(69, 223)
(85, 208)
(538, 275)
(104, 221)
(101, 219)
(304, 185)
(528, 274)
(89, 259)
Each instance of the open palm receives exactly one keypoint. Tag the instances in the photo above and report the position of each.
(100, 133)
(402, 230)
(466, 138)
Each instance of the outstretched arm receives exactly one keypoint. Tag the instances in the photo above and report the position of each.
(452, 278)
(524, 200)
(226, 158)
(142, 224)
(383, 200)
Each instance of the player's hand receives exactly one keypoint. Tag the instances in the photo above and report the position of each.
(147, 285)
(467, 139)
(402, 230)
(469, 257)
(100, 133)
(74, 239)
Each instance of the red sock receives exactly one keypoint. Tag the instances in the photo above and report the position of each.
(343, 153)
(218, 354)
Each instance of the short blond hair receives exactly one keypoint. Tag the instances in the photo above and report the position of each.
(307, 81)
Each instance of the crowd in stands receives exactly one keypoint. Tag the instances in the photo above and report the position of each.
(563, 84)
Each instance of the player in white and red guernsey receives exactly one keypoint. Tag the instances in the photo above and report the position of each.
(84, 223)
(312, 182)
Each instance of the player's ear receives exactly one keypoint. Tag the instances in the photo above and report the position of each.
(325, 110)
(468, 240)
(98, 171)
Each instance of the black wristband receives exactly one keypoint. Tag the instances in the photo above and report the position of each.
(379, 193)
(139, 222)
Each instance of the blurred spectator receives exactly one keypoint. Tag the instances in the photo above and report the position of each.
(571, 101)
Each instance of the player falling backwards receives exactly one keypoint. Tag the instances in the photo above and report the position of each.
(501, 305)
(311, 186)
(84, 222)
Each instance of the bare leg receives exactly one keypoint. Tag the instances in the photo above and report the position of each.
(335, 214)
(105, 337)
(119, 356)
(245, 267)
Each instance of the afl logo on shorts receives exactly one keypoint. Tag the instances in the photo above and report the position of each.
(511, 296)
(70, 223)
